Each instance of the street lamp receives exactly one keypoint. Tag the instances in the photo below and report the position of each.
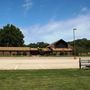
(74, 47)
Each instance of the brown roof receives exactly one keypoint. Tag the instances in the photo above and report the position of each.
(32, 49)
(61, 49)
(21, 49)
(61, 40)
(17, 48)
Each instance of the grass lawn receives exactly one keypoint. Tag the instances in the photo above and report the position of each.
(72, 79)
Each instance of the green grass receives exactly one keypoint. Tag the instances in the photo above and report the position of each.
(72, 79)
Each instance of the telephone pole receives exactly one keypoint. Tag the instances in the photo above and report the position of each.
(74, 46)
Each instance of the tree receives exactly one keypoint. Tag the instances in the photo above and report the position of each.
(38, 44)
(82, 45)
(42, 44)
(11, 36)
(32, 45)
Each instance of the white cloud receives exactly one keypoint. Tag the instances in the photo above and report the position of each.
(27, 4)
(84, 9)
(55, 30)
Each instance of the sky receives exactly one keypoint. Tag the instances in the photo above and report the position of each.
(47, 20)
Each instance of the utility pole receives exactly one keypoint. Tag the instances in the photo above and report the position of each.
(74, 46)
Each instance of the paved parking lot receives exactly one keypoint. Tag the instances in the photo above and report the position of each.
(20, 63)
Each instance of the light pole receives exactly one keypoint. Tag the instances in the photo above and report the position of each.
(74, 46)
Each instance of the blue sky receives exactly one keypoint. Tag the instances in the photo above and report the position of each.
(47, 20)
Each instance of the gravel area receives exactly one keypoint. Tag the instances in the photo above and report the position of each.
(21, 63)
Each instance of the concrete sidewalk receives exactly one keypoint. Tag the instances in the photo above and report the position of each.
(21, 63)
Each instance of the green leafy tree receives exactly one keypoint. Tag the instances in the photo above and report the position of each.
(32, 45)
(38, 44)
(42, 44)
(11, 36)
(82, 45)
